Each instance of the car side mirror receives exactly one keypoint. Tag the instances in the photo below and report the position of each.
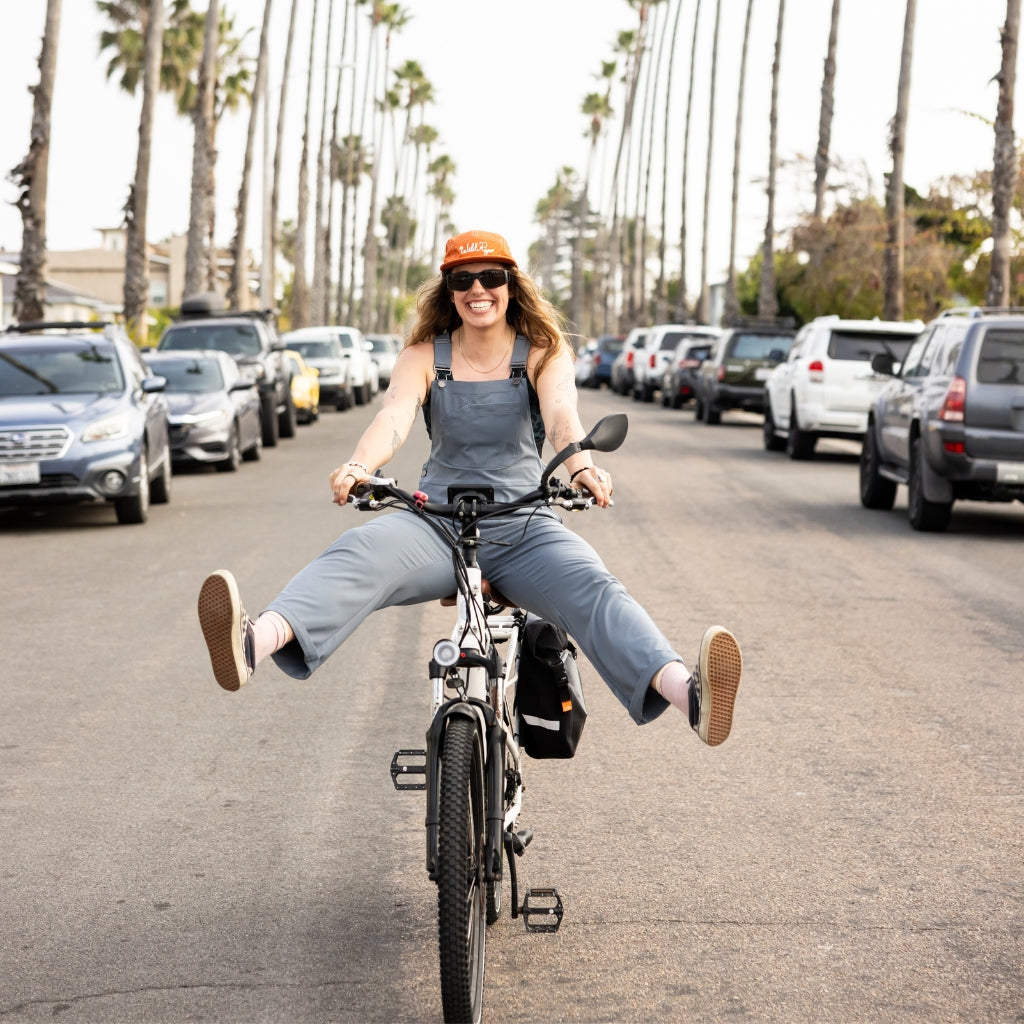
(883, 362)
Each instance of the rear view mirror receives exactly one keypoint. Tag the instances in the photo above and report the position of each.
(607, 435)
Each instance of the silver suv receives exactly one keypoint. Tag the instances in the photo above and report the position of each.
(826, 385)
(658, 349)
(950, 424)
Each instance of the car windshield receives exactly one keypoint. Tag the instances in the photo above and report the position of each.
(758, 346)
(235, 339)
(193, 375)
(610, 345)
(671, 340)
(380, 344)
(861, 346)
(346, 341)
(56, 370)
(1002, 357)
(314, 349)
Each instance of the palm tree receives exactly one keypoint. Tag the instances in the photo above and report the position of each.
(732, 306)
(351, 162)
(1004, 167)
(767, 302)
(828, 86)
(703, 302)
(238, 290)
(300, 286)
(681, 312)
(321, 271)
(275, 195)
(196, 254)
(31, 177)
(597, 107)
(441, 171)
(136, 262)
(892, 308)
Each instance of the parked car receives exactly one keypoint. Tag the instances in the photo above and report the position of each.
(250, 338)
(949, 425)
(596, 368)
(82, 419)
(826, 385)
(584, 365)
(305, 388)
(621, 380)
(679, 378)
(384, 349)
(363, 377)
(660, 343)
(733, 375)
(213, 410)
(323, 352)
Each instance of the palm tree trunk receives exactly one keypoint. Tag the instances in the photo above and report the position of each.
(732, 306)
(703, 302)
(660, 296)
(238, 291)
(320, 269)
(136, 263)
(275, 224)
(300, 285)
(332, 178)
(1004, 167)
(828, 86)
(767, 302)
(681, 311)
(197, 257)
(31, 176)
(892, 308)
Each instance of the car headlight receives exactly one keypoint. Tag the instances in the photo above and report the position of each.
(107, 429)
(206, 419)
(254, 371)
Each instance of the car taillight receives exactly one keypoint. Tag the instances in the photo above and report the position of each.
(952, 410)
(597, 358)
(816, 371)
(629, 358)
(653, 361)
(955, 447)
(721, 373)
(688, 364)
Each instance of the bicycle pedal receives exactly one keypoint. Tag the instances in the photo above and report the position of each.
(542, 910)
(403, 766)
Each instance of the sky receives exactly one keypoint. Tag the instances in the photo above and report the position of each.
(509, 80)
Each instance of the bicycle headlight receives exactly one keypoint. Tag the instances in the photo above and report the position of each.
(446, 653)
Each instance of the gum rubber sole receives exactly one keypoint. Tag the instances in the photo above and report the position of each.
(721, 665)
(220, 613)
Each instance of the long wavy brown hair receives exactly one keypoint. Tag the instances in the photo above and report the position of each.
(528, 313)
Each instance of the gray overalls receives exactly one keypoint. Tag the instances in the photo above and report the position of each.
(482, 433)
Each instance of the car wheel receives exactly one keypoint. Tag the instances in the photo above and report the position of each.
(289, 418)
(676, 401)
(255, 452)
(876, 491)
(269, 421)
(135, 509)
(698, 408)
(359, 394)
(712, 414)
(929, 516)
(799, 443)
(772, 441)
(233, 460)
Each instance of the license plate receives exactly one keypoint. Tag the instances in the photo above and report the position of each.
(1010, 472)
(12, 474)
(762, 373)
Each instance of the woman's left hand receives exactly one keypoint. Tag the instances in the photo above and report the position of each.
(598, 482)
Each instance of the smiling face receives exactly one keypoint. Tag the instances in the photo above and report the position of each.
(481, 307)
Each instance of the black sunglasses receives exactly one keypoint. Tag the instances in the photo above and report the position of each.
(462, 280)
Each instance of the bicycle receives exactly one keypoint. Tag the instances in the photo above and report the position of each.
(472, 766)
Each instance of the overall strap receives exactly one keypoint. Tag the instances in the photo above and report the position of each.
(520, 352)
(443, 357)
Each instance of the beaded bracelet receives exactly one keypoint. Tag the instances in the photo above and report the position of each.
(573, 476)
(358, 465)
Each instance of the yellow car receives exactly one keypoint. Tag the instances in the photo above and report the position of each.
(305, 388)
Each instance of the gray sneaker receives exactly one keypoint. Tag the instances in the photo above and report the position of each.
(713, 685)
(227, 630)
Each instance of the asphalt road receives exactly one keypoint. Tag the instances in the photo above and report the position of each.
(171, 852)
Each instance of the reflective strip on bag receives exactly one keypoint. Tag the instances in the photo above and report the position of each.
(541, 723)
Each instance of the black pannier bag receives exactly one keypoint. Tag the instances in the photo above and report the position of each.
(549, 696)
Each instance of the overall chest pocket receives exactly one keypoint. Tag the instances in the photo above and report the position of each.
(481, 429)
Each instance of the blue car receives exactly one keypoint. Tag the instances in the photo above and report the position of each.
(82, 419)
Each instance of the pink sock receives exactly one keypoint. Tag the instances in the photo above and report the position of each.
(270, 633)
(672, 682)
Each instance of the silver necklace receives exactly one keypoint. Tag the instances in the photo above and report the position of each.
(476, 369)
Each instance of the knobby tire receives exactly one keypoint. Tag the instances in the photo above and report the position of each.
(460, 886)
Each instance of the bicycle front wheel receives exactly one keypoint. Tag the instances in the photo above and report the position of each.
(461, 891)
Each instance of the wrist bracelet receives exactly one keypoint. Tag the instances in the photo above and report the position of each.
(572, 476)
(358, 465)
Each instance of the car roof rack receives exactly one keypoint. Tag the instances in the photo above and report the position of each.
(786, 322)
(973, 312)
(42, 326)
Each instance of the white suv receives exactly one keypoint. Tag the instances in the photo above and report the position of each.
(362, 372)
(659, 347)
(826, 385)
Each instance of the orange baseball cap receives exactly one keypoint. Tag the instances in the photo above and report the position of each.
(476, 247)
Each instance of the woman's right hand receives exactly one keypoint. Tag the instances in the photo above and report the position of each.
(344, 479)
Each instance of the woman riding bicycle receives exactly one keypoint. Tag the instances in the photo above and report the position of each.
(488, 363)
